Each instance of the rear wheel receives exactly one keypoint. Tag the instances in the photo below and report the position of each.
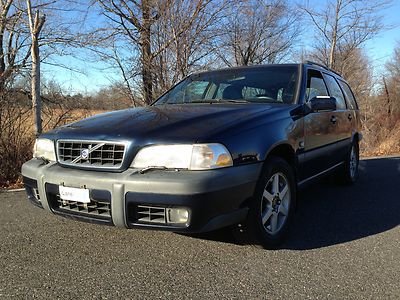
(350, 169)
(272, 207)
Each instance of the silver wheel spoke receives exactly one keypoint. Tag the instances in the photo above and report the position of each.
(268, 196)
(274, 222)
(275, 184)
(283, 210)
(283, 194)
(266, 215)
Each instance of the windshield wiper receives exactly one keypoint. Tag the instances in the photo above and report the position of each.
(234, 100)
(218, 100)
(203, 101)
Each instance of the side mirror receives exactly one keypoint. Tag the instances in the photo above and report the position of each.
(322, 103)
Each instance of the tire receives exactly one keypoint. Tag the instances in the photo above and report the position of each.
(270, 213)
(350, 169)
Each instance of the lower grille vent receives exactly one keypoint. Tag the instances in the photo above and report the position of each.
(151, 214)
(36, 194)
(32, 191)
(95, 208)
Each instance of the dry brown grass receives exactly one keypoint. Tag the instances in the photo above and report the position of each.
(381, 141)
(17, 137)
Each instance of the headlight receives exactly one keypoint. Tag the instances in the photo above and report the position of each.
(192, 157)
(44, 148)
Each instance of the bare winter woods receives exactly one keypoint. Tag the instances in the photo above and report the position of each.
(150, 45)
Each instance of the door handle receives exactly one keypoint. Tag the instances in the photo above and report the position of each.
(333, 120)
(349, 117)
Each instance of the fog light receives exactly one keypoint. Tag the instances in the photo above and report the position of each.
(177, 215)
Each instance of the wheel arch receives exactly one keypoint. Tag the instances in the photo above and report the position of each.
(286, 152)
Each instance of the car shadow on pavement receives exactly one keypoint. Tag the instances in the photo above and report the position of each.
(329, 213)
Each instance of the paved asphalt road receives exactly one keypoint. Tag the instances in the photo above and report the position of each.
(345, 244)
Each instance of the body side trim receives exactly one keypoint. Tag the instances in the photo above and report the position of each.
(319, 174)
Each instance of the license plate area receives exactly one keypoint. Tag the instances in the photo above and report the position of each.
(74, 194)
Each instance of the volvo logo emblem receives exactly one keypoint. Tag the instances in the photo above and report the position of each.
(85, 153)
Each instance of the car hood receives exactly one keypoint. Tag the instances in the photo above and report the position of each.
(170, 123)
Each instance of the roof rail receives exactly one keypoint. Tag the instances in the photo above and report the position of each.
(322, 66)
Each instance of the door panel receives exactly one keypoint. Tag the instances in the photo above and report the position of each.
(320, 142)
(344, 120)
(320, 130)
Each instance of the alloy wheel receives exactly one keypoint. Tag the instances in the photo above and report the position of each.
(353, 162)
(275, 203)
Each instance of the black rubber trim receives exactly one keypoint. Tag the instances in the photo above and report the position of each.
(102, 195)
(82, 218)
(209, 211)
(226, 220)
(29, 185)
(29, 182)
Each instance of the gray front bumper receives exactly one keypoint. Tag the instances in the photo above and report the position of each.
(209, 193)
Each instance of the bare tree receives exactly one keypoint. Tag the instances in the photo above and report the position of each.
(391, 81)
(192, 50)
(22, 34)
(14, 47)
(258, 31)
(343, 26)
(341, 29)
(36, 23)
(134, 23)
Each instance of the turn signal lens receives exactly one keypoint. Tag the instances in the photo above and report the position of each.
(210, 156)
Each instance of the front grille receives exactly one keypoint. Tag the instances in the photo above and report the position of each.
(151, 214)
(92, 154)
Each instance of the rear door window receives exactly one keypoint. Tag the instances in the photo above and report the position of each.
(335, 91)
(351, 101)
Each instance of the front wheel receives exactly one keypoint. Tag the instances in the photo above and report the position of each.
(272, 208)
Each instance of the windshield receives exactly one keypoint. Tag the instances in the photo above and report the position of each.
(272, 84)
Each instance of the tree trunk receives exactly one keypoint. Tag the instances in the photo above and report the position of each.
(145, 37)
(389, 112)
(35, 26)
(331, 62)
(35, 85)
